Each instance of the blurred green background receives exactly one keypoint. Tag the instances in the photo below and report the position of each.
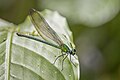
(96, 29)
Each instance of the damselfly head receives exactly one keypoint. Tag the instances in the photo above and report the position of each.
(73, 51)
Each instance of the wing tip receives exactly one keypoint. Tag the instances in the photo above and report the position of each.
(31, 11)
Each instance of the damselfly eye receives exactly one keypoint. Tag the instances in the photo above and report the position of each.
(74, 50)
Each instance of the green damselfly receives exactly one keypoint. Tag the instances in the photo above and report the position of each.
(45, 31)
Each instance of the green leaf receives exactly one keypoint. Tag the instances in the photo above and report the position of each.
(26, 59)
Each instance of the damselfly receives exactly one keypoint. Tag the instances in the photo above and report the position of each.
(45, 31)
